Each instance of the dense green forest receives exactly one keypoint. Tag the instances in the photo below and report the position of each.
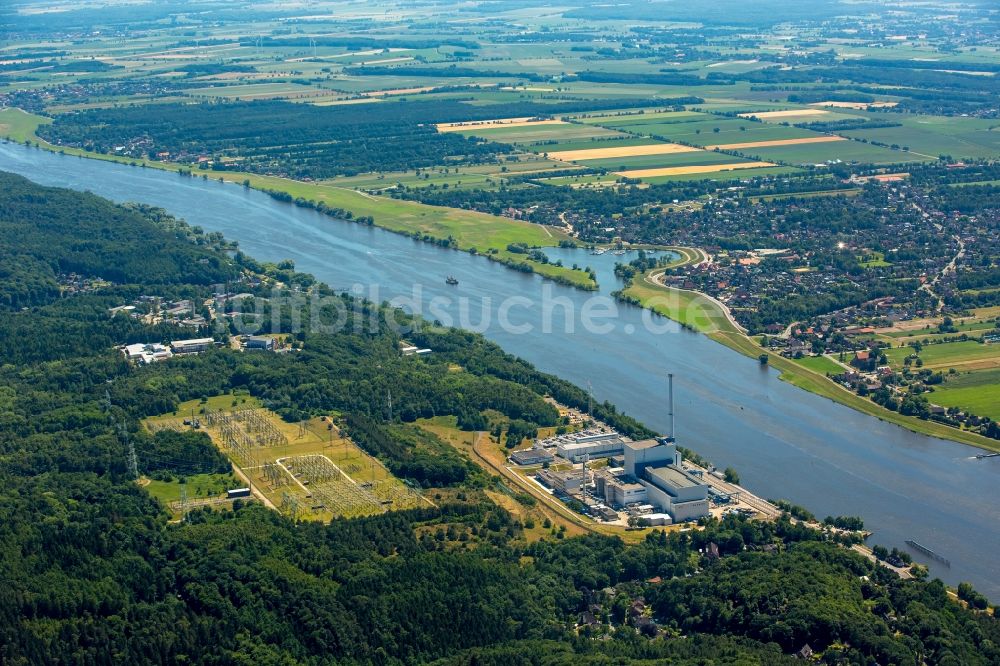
(94, 573)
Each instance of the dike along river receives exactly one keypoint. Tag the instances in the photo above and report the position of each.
(785, 442)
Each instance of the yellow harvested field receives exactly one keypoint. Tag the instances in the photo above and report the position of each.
(386, 61)
(883, 177)
(776, 142)
(397, 91)
(502, 122)
(621, 151)
(858, 106)
(685, 170)
(791, 113)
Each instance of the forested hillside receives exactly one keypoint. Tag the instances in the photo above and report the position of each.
(92, 571)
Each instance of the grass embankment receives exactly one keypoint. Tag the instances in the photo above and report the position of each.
(698, 312)
(486, 234)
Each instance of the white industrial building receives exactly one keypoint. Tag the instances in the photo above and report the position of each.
(568, 482)
(619, 489)
(656, 465)
(191, 346)
(533, 456)
(146, 352)
(578, 447)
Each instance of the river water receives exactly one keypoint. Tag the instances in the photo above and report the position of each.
(785, 442)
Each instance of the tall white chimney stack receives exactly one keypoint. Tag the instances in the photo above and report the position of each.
(670, 399)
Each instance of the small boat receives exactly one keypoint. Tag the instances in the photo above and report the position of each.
(451, 279)
(599, 250)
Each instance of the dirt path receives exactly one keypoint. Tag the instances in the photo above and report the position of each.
(556, 511)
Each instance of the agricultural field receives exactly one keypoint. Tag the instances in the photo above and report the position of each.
(619, 119)
(839, 151)
(488, 176)
(257, 91)
(959, 138)
(308, 470)
(724, 166)
(980, 322)
(706, 130)
(528, 132)
(728, 176)
(820, 364)
(975, 392)
(618, 151)
(684, 158)
(969, 355)
(791, 115)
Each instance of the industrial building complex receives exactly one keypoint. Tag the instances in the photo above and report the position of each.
(614, 477)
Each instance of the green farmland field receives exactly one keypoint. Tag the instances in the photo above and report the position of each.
(703, 132)
(820, 364)
(977, 393)
(950, 354)
(527, 134)
(845, 151)
(694, 158)
(934, 135)
(725, 176)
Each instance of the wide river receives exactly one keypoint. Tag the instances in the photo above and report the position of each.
(785, 442)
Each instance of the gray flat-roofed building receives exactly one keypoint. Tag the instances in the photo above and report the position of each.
(259, 342)
(606, 513)
(681, 495)
(679, 481)
(576, 448)
(535, 456)
(191, 346)
(570, 482)
(657, 519)
(647, 452)
(621, 490)
(656, 465)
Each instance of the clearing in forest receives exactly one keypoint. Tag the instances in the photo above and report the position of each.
(308, 470)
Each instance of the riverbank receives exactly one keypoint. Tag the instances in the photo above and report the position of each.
(704, 314)
(468, 231)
